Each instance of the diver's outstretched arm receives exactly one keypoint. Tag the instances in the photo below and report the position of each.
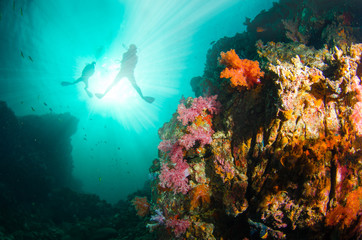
(81, 79)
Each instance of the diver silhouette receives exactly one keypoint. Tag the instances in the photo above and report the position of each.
(87, 72)
(128, 64)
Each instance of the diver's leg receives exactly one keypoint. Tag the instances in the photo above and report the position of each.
(86, 88)
(132, 79)
(115, 81)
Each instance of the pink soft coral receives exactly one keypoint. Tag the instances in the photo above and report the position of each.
(175, 178)
(174, 175)
(242, 72)
(165, 146)
(179, 226)
(356, 118)
(201, 134)
(198, 105)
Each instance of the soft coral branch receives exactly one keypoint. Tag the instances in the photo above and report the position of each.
(242, 72)
(198, 105)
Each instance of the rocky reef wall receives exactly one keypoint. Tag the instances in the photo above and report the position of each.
(35, 153)
(271, 152)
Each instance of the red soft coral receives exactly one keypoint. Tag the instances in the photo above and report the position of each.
(141, 205)
(242, 72)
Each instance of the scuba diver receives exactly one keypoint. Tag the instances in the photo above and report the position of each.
(87, 72)
(128, 64)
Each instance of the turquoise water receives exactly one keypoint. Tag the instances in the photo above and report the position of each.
(43, 43)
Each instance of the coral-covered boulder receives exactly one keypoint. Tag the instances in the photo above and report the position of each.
(284, 159)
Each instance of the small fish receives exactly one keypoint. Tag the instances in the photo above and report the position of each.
(33, 109)
(22, 54)
(265, 235)
(212, 42)
(50, 109)
(22, 102)
(45, 104)
(119, 148)
(30, 59)
(260, 29)
(99, 179)
(21, 11)
(85, 139)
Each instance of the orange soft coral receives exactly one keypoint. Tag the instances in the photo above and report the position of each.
(345, 216)
(200, 194)
(141, 205)
(242, 72)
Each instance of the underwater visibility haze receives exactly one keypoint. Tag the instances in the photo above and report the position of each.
(46, 42)
(187, 119)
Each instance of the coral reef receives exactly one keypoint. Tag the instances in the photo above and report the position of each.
(281, 157)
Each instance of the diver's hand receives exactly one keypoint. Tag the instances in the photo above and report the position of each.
(149, 99)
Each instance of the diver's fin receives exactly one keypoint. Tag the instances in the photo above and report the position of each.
(149, 99)
(99, 95)
(66, 83)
